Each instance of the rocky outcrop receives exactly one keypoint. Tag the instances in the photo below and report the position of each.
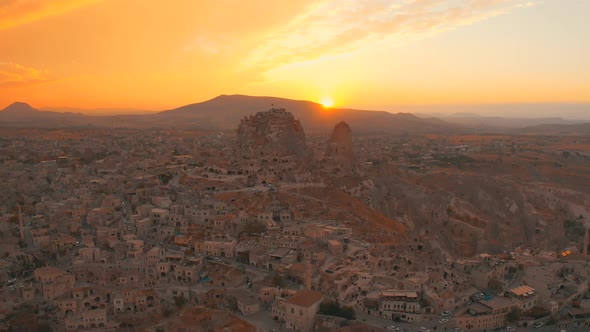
(271, 134)
(339, 147)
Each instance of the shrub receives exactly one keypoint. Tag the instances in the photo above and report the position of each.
(333, 308)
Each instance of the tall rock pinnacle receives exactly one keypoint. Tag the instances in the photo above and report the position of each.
(339, 149)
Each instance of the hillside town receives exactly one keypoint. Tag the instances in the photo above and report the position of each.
(271, 228)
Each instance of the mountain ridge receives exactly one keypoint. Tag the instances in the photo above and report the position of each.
(224, 112)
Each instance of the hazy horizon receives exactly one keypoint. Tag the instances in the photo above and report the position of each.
(576, 112)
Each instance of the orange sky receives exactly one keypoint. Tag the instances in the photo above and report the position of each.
(155, 55)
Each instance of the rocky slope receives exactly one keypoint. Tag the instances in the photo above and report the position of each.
(271, 134)
(490, 208)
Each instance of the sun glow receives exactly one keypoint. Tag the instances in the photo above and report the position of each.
(327, 102)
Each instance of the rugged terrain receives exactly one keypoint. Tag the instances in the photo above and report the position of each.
(271, 134)
(491, 202)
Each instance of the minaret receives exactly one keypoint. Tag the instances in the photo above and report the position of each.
(20, 223)
(586, 241)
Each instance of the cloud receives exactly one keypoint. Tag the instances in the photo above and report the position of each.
(333, 27)
(204, 45)
(18, 12)
(15, 74)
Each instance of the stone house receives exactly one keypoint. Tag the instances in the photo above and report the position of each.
(301, 309)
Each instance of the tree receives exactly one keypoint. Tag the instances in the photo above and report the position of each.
(278, 281)
(539, 312)
(254, 227)
(232, 304)
(180, 301)
(167, 312)
(333, 308)
(513, 315)
(44, 327)
(496, 285)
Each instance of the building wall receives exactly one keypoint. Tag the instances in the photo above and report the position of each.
(300, 318)
(481, 322)
(248, 309)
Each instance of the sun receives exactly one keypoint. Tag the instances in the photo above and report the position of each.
(327, 102)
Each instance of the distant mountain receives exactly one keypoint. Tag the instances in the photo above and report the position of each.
(25, 116)
(99, 111)
(580, 129)
(524, 111)
(21, 114)
(496, 122)
(465, 115)
(226, 111)
(22, 111)
(19, 108)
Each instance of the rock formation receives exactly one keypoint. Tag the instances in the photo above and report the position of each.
(275, 133)
(339, 149)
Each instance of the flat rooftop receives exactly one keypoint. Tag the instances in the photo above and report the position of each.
(305, 298)
(523, 290)
(399, 293)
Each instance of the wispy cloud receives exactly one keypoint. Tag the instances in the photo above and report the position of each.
(333, 27)
(203, 44)
(17, 74)
(17, 12)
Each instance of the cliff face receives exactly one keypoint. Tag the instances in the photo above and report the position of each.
(275, 133)
(339, 147)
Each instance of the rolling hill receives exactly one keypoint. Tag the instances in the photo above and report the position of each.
(226, 111)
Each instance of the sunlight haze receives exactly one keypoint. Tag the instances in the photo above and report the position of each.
(133, 54)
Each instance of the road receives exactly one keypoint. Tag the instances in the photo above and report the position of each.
(433, 325)
(258, 272)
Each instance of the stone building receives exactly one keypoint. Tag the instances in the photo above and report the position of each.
(300, 310)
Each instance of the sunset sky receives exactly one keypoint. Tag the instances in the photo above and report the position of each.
(154, 55)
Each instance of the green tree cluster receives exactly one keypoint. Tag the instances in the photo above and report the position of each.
(333, 308)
